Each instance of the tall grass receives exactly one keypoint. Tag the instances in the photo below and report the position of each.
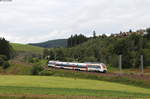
(18, 69)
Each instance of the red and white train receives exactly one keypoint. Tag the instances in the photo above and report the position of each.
(97, 67)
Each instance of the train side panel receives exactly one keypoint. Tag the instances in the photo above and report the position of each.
(78, 66)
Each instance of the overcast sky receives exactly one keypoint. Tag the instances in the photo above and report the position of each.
(28, 21)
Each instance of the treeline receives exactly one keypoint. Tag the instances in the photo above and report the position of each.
(6, 53)
(76, 40)
(107, 50)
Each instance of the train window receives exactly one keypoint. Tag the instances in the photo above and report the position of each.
(81, 66)
(60, 65)
(67, 65)
(93, 66)
(50, 64)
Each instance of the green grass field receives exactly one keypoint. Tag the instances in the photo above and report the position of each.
(52, 85)
(27, 48)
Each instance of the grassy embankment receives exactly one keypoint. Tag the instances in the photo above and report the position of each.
(42, 85)
(18, 65)
(27, 48)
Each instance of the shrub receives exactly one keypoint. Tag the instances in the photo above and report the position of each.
(1, 61)
(3, 57)
(68, 59)
(36, 69)
(46, 73)
(6, 65)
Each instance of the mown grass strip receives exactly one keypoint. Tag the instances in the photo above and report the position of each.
(68, 92)
(64, 82)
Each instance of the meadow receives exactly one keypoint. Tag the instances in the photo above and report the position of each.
(65, 84)
(27, 48)
(52, 85)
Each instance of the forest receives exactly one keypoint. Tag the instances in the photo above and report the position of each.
(105, 49)
(6, 53)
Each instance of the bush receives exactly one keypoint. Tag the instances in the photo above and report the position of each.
(46, 73)
(3, 57)
(68, 59)
(36, 69)
(1, 61)
(6, 65)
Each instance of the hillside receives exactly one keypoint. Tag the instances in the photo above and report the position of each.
(107, 50)
(27, 48)
(51, 43)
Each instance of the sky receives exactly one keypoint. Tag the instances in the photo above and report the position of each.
(32, 21)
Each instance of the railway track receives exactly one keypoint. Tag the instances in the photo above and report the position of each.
(110, 74)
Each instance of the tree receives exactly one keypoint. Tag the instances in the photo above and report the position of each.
(89, 59)
(45, 52)
(70, 41)
(76, 40)
(94, 34)
(130, 31)
(59, 54)
(3, 62)
(5, 48)
(120, 47)
(51, 54)
(135, 42)
(148, 33)
(104, 36)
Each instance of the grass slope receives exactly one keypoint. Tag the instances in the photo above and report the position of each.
(27, 48)
(18, 68)
(67, 86)
(52, 43)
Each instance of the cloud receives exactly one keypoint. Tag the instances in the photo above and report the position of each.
(25, 21)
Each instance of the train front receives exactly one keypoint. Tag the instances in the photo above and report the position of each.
(103, 67)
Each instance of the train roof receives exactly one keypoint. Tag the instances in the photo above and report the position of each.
(91, 63)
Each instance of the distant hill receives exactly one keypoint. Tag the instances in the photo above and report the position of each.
(51, 43)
